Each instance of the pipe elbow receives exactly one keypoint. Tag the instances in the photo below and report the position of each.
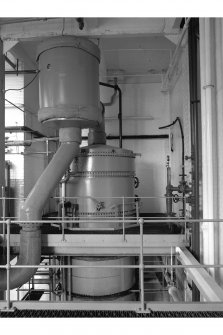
(30, 254)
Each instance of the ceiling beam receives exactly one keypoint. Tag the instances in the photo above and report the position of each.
(93, 28)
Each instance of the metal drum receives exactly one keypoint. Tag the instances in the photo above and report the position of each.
(102, 176)
(93, 281)
(69, 82)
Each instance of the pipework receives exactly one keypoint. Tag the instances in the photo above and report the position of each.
(69, 100)
(183, 187)
(30, 235)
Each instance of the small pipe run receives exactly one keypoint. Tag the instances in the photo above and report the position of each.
(182, 175)
(117, 88)
(30, 235)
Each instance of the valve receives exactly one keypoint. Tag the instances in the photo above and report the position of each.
(176, 198)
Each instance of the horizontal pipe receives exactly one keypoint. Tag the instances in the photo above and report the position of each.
(156, 266)
(21, 72)
(116, 221)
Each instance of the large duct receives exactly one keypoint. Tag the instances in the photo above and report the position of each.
(69, 99)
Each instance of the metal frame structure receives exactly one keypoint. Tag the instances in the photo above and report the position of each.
(139, 245)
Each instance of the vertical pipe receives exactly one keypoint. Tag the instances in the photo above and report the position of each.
(3, 217)
(209, 145)
(8, 265)
(17, 294)
(53, 279)
(2, 131)
(64, 286)
(195, 115)
(123, 218)
(120, 114)
(171, 263)
(117, 88)
(141, 267)
(2, 121)
(69, 278)
(50, 281)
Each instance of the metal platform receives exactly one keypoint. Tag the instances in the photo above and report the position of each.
(98, 244)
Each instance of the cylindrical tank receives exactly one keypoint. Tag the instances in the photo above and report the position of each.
(101, 177)
(93, 281)
(69, 82)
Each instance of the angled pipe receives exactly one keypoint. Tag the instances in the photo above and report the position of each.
(30, 235)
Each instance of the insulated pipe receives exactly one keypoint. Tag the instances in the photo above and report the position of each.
(209, 147)
(70, 139)
(30, 235)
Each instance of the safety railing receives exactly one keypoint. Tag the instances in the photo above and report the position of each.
(141, 266)
(133, 222)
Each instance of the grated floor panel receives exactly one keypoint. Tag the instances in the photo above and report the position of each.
(105, 314)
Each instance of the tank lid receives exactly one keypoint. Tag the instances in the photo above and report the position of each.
(68, 41)
(105, 150)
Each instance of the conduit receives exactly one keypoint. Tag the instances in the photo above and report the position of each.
(30, 235)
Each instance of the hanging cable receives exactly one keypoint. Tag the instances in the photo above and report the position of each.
(22, 88)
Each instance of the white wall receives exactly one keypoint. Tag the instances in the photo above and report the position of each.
(144, 100)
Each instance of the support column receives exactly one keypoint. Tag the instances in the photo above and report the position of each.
(2, 121)
(2, 131)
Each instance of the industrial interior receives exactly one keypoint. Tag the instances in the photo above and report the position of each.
(111, 166)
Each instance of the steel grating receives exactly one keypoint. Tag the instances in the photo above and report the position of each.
(105, 314)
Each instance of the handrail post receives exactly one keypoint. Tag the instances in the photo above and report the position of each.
(63, 218)
(3, 217)
(141, 267)
(8, 266)
(123, 218)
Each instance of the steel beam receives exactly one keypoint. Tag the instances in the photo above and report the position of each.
(206, 284)
(98, 244)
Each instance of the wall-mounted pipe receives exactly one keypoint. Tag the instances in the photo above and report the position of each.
(117, 88)
(182, 186)
(30, 236)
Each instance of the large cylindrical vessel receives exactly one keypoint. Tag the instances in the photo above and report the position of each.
(69, 82)
(101, 186)
(102, 179)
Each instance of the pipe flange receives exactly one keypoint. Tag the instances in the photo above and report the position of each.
(106, 154)
(95, 174)
(130, 212)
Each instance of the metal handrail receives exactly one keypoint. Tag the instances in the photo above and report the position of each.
(141, 266)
